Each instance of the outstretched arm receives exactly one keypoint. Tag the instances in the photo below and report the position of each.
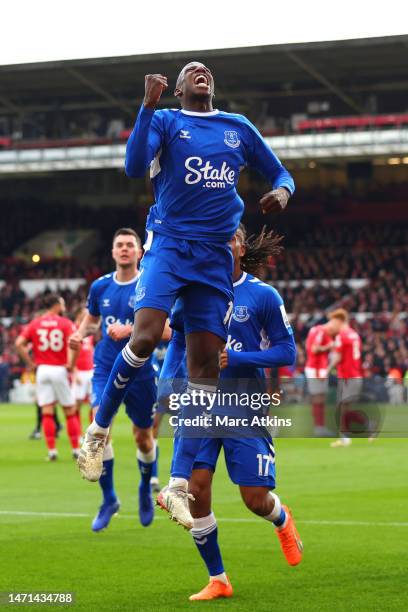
(281, 354)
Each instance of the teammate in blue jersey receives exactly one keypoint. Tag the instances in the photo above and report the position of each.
(195, 156)
(259, 336)
(111, 303)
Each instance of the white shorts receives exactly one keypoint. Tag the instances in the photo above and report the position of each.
(52, 385)
(317, 381)
(349, 389)
(317, 386)
(83, 385)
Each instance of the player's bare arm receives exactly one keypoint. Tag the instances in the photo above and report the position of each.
(223, 360)
(72, 359)
(325, 348)
(89, 326)
(118, 331)
(24, 354)
(155, 84)
(167, 331)
(274, 201)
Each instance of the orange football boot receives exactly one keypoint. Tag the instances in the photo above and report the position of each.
(290, 541)
(213, 590)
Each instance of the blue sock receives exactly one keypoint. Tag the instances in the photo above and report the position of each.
(186, 450)
(146, 462)
(106, 482)
(205, 534)
(124, 371)
(282, 517)
(175, 446)
(184, 455)
(155, 468)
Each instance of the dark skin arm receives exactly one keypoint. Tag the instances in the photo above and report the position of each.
(274, 201)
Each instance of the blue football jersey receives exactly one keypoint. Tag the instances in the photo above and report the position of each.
(258, 323)
(114, 302)
(195, 160)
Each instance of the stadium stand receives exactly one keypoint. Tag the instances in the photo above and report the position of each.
(345, 230)
(368, 280)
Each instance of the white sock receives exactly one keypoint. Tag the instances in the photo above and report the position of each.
(205, 393)
(275, 514)
(108, 452)
(221, 577)
(178, 483)
(147, 457)
(204, 523)
(133, 360)
(94, 428)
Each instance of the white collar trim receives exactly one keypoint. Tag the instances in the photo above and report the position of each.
(240, 280)
(194, 114)
(132, 280)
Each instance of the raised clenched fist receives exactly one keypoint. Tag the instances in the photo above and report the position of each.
(155, 84)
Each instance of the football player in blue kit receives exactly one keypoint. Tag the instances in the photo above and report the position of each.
(111, 303)
(195, 156)
(259, 336)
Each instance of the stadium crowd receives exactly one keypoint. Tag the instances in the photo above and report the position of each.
(313, 273)
(379, 309)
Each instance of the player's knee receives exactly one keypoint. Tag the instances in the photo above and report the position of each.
(143, 439)
(255, 501)
(204, 367)
(200, 486)
(69, 410)
(47, 410)
(198, 491)
(143, 344)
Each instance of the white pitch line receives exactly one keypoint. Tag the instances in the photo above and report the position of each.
(133, 517)
(44, 514)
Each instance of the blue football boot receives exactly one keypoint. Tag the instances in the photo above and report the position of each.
(146, 507)
(102, 519)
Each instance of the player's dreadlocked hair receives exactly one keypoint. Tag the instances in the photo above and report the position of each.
(259, 248)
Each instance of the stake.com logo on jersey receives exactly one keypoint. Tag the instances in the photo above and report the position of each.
(204, 171)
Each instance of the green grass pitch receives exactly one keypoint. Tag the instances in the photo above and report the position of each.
(350, 505)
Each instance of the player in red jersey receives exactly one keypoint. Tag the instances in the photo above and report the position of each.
(319, 343)
(52, 361)
(347, 359)
(84, 368)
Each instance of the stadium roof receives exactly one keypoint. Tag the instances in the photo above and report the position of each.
(347, 70)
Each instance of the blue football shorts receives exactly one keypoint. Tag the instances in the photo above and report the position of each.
(139, 400)
(250, 461)
(200, 272)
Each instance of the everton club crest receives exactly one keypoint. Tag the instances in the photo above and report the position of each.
(231, 139)
(240, 314)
